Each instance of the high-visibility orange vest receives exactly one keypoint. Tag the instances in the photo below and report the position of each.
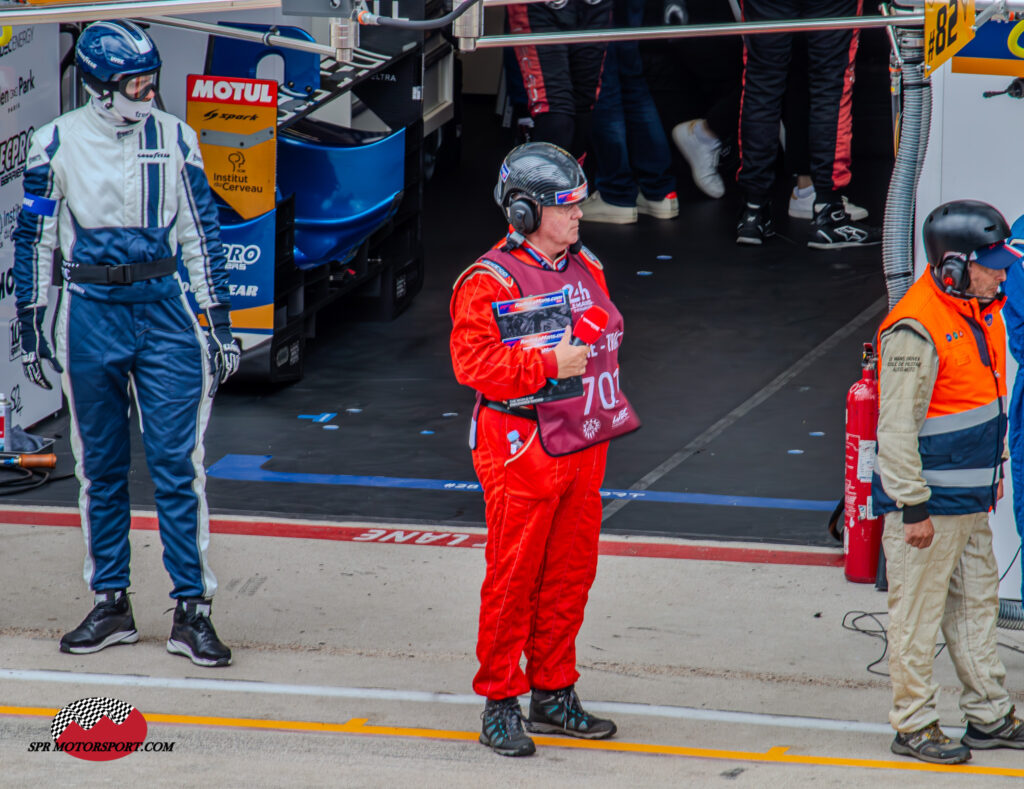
(962, 439)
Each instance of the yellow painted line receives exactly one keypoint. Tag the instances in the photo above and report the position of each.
(775, 755)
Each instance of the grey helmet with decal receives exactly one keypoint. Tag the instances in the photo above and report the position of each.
(535, 175)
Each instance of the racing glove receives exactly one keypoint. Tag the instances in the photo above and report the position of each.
(34, 347)
(224, 351)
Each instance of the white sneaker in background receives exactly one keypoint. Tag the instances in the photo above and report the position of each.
(596, 209)
(702, 157)
(803, 207)
(666, 208)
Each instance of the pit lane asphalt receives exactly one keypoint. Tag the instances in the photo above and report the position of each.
(328, 632)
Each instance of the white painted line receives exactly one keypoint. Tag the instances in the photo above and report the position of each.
(420, 696)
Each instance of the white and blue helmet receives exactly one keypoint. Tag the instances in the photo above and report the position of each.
(118, 62)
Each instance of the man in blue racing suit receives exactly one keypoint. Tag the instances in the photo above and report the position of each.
(120, 187)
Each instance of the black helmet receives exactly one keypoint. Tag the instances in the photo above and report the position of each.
(535, 175)
(961, 227)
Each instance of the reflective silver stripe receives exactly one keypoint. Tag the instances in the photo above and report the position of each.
(965, 419)
(959, 478)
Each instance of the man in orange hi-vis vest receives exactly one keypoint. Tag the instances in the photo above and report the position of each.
(939, 472)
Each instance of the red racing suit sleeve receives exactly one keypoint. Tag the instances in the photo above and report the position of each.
(479, 357)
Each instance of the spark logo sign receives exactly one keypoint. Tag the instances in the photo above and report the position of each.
(98, 729)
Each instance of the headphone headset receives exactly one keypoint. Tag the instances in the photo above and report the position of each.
(523, 213)
(953, 274)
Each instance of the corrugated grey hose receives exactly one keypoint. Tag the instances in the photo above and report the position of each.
(1011, 615)
(898, 228)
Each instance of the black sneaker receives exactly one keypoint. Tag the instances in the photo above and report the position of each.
(931, 745)
(560, 712)
(755, 224)
(503, 728)
(833, 229)
(193, 636)
(110, 622)
(1009, 734)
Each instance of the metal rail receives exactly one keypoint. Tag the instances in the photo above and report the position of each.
(86, 12)
(226, 31)
(697, 31)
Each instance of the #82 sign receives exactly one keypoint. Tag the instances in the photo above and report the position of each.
(948, 27)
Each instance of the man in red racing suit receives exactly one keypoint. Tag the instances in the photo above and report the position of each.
(541, 486)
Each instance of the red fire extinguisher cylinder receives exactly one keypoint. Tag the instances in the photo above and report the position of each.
(862, 535)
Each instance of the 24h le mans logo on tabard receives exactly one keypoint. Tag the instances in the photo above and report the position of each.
(100, 730)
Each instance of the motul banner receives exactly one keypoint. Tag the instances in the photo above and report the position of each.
(236, 121)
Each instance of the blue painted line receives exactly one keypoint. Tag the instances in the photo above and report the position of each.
(325, 417)
(249, 468)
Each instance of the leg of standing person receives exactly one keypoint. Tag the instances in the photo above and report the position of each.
(545, 70)
(613, 199)
(560, 598)
(918, 588)
(766, 64)
(586, 63)
(173, 386)
(831, 57)
(519, 511)
(714, 69)
(645, 135)
(798, 157)
(96, 346)
(969, 627)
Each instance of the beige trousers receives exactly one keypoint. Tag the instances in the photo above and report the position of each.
(952, 584)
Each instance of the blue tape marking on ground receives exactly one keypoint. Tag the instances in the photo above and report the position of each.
(249, 468)
(325, 417)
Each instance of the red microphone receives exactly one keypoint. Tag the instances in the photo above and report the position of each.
(589, 327)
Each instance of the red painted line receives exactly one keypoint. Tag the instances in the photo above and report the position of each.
(447, 539)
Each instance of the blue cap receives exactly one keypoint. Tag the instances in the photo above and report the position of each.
(1002, 254)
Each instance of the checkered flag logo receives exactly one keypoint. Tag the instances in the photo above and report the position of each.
(88, 712)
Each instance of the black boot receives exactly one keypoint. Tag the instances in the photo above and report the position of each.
(755, 224)
(560, 712)
(503, 728)
(193, 636)
(1007, 732)
(110, 622)
(931, 745)
(833, 229)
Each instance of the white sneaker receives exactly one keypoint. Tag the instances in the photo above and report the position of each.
(597, 210)
(803, 207)
(666, 208)
(701, 156)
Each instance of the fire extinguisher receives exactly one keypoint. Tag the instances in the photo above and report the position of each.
(862, 533)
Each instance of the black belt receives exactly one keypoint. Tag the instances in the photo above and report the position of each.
(103, 274)
(526, 413)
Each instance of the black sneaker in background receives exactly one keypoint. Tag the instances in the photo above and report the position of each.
(560, 712)
(755, 224)
(930, 745)
(110, 622)
(1008, 734)
(833, 229)
(503, 728)
(193, 636)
